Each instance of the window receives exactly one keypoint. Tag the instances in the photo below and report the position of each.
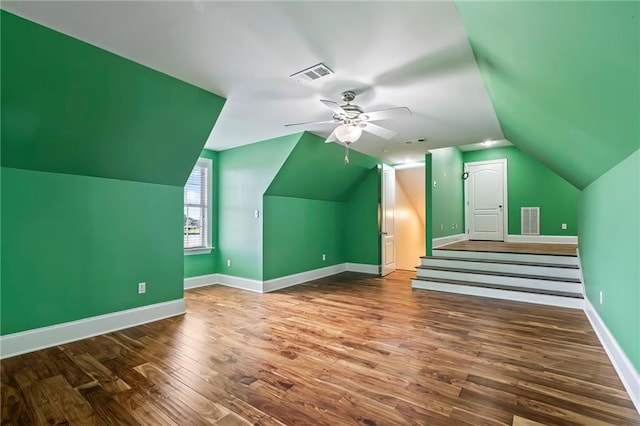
(197, 208)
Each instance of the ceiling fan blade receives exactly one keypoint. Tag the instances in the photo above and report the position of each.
(385, 114)
(332, 137)
(311, 122)
(334, 107)
(378, 130)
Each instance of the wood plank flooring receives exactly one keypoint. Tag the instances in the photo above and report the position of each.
(348, 349)
(525, 248)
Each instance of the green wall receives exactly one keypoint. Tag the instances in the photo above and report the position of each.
(244, 175)
(95, 153)
(318, 205)
(70, 107)
(76, 246)
(205, 264)
(563, 79)
(316, 170)
(531, 184)
(447, 196)
(361, 235)
(297, 232)
(609, 241)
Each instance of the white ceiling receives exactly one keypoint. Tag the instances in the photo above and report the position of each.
(413, 54)
(485, 145)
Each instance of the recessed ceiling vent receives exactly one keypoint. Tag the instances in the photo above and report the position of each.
(312, 73)
(418, 140)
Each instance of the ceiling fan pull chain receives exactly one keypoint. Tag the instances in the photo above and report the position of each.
(346, 154)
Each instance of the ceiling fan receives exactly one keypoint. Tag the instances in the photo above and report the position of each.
(353, 120)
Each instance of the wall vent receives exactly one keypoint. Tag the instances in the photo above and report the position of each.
(312, 73)
(530, 221)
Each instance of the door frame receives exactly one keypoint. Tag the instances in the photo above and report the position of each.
(382, 232)
(505, 194)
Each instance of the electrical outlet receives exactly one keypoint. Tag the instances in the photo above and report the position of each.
(601, 297)
(256, 214)
(564, 226)
(324, 257)
(228, 263)
(453, 226)
(142, 288)
(441, 227)
(435, 184)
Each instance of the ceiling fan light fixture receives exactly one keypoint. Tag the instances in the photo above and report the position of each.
(348, 133)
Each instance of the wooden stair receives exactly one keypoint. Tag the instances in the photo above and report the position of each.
(526, 277)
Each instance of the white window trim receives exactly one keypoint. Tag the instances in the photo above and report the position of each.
(205, 250)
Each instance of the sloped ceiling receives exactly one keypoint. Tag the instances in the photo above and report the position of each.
(564, 79)
(316, 170)
(69, 107)
(413, 182)
(392, 53)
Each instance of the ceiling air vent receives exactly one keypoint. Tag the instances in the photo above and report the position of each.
(312, 73)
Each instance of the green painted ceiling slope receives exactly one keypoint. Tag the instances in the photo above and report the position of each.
(564, 79)
(316, 170)
(70, 107)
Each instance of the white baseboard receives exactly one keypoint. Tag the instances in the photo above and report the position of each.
(241, 283)
(280, 282)
(45, 337)
(626, 371)
(200, 281)
(363, 268)
(302, 277)
(443, 241)
(549, 239)
(584, 292)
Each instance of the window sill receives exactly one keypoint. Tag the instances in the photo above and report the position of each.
(200, 250)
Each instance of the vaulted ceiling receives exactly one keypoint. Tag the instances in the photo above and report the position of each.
(562, 76)
(413, 54)
(564, 79)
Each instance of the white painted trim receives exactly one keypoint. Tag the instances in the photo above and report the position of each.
(443, 241)
(197, 251)
(490, 279)
(505, 194)
(200, 281)
(584, 292)
(519, 257)
(241, 283)
(302, 277)
(280, 282)
(363, 268)
(510, 268)
(626, 371)
(517, 296)
(549, 239)
(45, 337)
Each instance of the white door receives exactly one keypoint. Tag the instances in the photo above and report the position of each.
(485, 193)
(387, 220)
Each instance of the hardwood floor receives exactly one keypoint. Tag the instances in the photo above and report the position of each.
(525, 248)
(348, 349)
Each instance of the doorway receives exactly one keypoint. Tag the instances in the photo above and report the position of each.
(485, 200)
(410, 215)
